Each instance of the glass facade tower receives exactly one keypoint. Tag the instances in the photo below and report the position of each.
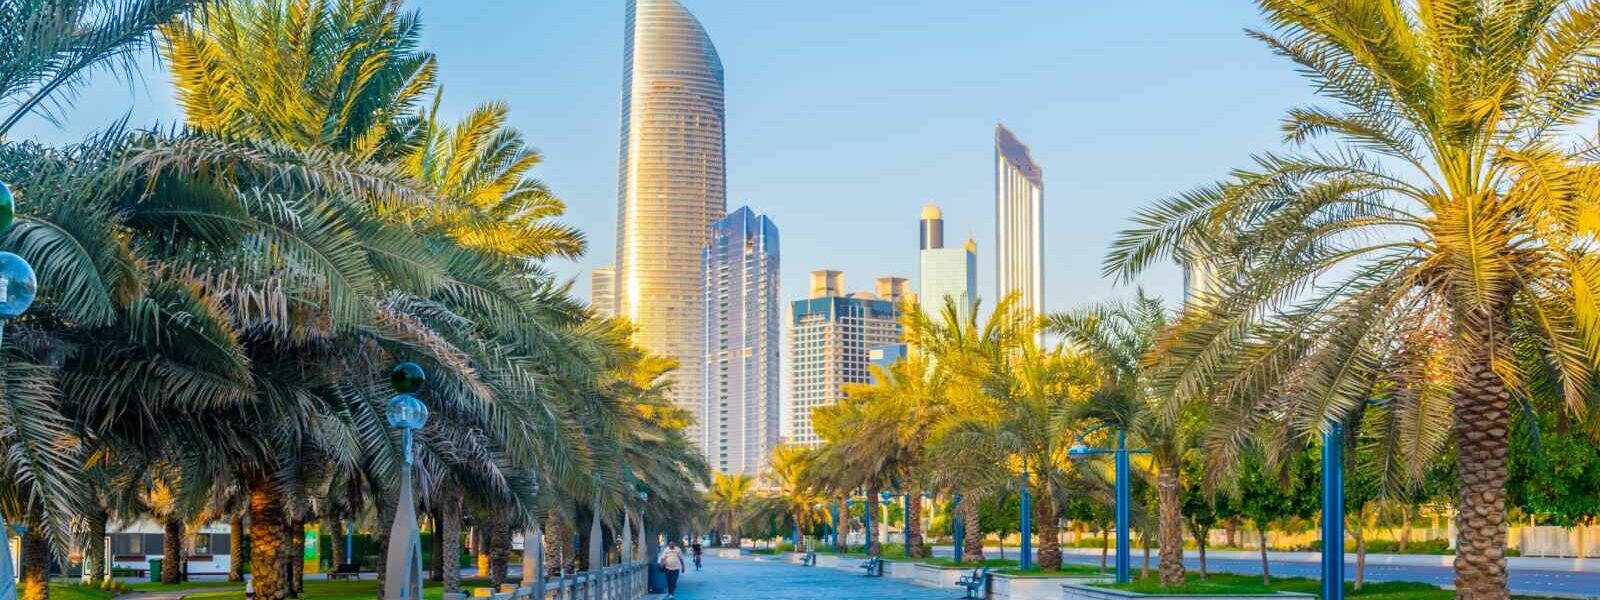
(671, 182)
(1019, 222)
(743, 334)
(944, 272)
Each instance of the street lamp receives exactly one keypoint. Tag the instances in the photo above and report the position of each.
(958, 529)
(1026, 510)
(1079, 451)
(17, 288)
(1333, 512)
(403, 566)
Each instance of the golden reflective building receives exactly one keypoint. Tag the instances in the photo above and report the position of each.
(671, 181)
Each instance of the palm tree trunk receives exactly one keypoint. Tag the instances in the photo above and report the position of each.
(94, 560)
(172, 551)
(1361, 557)
(499, 537)
(1482, 428)
(1044, 509)
(449, 532)
(874, 547)
(267, 543)
(1266, 567)
(295, 548)
(972, 550)
(1171, 540)
(914, 524)
(557, 545)
(34, 583)
(333, 529)
(237, 552)
(1105, 546)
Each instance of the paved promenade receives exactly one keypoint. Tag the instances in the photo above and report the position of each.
(746, 579)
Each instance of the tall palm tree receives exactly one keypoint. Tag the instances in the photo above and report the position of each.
(1120, 336)
(968, 351)
(1447, 198)
(726, 499)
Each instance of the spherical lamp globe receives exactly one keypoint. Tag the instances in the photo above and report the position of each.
(18, 285)
(407, 412)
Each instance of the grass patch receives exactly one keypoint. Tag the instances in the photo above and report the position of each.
(73, 591)
(1220, 583)
(146, 586)
(993, 563)
(1067, 570)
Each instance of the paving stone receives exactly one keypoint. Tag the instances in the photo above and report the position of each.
(746, 579)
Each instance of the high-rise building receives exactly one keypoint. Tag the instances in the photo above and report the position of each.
(830, 339)
(743, 328)
(671, 182)
(944, 272)
(603, 291)
(1019, 222)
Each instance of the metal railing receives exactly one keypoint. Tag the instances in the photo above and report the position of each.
(618, 582)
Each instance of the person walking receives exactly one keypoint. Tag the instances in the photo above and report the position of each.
(695, 549)
(672, 565)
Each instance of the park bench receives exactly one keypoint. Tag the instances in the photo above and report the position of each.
(810, 559)
(345, 571)
(873, 566)
(974, 583)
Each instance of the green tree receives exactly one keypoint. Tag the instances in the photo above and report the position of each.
(1445, 199)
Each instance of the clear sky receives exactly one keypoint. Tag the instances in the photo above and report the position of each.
(846, 116)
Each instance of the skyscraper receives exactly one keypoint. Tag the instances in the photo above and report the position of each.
(1019, 222)
(603, 291)
(671, 182)
(944, 272)
(830, 339)
(740, 386)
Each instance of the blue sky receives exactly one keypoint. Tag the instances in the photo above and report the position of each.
(846, 116)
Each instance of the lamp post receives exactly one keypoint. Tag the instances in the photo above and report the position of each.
(1333, 512)
(1080, 450)
(18, 285)
(403, 566)
(958, 529)
(1026, 510)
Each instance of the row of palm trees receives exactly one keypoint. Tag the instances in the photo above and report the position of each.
(1418, 266)
(221, 301)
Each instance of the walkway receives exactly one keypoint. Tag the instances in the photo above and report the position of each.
(748, 579)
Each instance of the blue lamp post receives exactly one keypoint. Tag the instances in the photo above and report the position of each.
(403, 566)
(1333, 512)
(958, 530)
(18, 285)
(1078, 451)
(1026, 510)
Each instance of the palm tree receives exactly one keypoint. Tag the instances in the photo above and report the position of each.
(967, 351)
(726, 499)
(54, 44)
(1120, 336)
(789, 468)
(1328, 261)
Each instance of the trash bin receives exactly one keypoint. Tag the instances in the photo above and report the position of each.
(155, 570)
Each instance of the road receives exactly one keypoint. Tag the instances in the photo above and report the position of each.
(1523, 581)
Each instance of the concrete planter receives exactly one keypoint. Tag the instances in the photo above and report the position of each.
(724, 552)
(932, 576)
(1079, 591)
(1011, 587)
(828, 560)
(899, 570)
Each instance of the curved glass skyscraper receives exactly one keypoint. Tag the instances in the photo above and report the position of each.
(671, 184)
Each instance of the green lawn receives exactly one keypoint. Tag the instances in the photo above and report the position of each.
(73, 591)
(1219, 583)
(1067, 570)
(146, 586)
